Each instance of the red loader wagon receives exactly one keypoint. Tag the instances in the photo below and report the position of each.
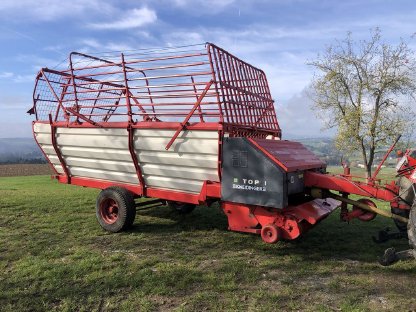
(190, 126)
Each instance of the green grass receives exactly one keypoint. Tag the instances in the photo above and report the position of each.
(55, 257)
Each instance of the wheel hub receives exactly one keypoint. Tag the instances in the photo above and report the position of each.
(109, 210)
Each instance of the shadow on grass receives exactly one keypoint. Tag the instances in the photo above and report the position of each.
(330, 239)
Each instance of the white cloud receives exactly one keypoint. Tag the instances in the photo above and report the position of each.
(297, 118)
(176, 38)
(91, 45)
(130, 19)
(48, 10)
(17, 78)
(6, 75)
(24, 78)
(201, 7)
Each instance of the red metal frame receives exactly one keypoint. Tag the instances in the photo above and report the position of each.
(211, 190)
(343, 184)
(136, 162)
(98, 91)
(58, 152)
(43, 152)
(185, 122)
(291, 222)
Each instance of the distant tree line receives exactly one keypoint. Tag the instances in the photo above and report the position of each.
(30, 158)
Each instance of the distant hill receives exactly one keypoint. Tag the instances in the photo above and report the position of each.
(26, 151)
(20, 151)
(324, 148)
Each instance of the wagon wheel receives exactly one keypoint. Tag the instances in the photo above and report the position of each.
(270, 233)
(411, 227)
(182, 208)
(402, 227)
(115, 209)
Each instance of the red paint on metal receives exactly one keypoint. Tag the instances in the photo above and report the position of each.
(207, 126)
(342, 184)
(184, 123)
(136, 162)
(101, 184)
(98, 91)
(241, 218)
(58, 151)
(108, 210)
(313, 211)
(270, 233)
(173, 195)
(190, 198)
(291, 156)
(362, 214)
(209, 190)
(384, 158)
(43, 152)
(291, 221)
(80, 116)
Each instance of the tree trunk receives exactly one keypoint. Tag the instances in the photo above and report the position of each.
(367, 164)
(367, 172)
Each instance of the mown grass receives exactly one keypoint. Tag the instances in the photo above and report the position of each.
(55, 257)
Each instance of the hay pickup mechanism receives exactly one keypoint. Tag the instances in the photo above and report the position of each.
(196, 125)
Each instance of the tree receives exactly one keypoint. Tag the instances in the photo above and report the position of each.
(364, 89)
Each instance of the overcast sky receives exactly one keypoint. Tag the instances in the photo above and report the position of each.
(278, 36)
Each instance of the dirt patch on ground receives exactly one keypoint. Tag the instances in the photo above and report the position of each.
(24, 170)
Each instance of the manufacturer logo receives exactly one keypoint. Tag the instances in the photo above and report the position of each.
(249, 184)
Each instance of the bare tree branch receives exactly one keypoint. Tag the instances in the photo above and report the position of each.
(366, 87)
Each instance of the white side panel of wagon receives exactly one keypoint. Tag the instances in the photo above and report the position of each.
(97, 153)
(43, 137)
(104, 154)
(192, 159)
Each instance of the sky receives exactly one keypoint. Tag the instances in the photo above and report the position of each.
(277, 36)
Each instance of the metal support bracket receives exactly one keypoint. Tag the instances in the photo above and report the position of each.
(183, 124)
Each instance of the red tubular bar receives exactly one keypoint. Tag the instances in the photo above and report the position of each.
(98, 90)
(184, 123)
(58, 152)
(135, 161)
(344, 185)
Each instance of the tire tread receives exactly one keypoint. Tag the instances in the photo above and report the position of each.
(411, 227)
(127, 209)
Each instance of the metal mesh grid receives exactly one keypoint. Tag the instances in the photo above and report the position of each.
(159, 85)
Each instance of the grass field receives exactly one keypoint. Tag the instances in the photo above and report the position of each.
(55, 257)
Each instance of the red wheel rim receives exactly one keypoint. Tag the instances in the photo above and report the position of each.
(270, 234)
(109, 210)
(366, 215)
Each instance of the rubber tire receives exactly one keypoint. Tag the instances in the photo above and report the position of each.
(182, 208)
(126, 208)
(270, 234)
(406, 190)
(411, 227)
(401, 226)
